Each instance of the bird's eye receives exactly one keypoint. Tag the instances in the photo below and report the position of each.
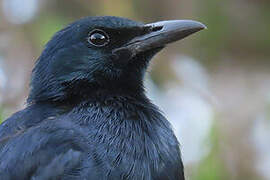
(98, 38)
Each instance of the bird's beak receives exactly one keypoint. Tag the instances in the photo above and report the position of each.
(160, 34)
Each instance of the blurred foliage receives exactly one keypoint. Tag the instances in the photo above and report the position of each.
(212, 13)
(48, 25)
(240, 29)
(1, 115)
(212, 167)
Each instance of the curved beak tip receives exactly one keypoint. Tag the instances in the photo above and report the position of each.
(202, 26)
(205, 27)
(189, 25)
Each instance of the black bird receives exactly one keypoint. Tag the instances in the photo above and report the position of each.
(87, 116)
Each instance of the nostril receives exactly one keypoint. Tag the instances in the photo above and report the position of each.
(156, 28)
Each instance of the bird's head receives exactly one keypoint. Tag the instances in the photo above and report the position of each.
(101, 54)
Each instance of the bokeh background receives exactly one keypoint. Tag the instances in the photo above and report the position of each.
(214, 86)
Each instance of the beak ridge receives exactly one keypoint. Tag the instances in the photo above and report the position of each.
(162, 33)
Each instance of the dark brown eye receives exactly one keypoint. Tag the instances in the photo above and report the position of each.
(98, 38)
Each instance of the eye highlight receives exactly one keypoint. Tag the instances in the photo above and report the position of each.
(98, 38)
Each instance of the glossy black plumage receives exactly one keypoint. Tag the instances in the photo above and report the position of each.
(87, 116)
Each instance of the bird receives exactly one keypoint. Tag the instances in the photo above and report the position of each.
(87, 116)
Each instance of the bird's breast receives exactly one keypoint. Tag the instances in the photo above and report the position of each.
(128, 139)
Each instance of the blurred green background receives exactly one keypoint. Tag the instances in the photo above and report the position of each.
(214, 86)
